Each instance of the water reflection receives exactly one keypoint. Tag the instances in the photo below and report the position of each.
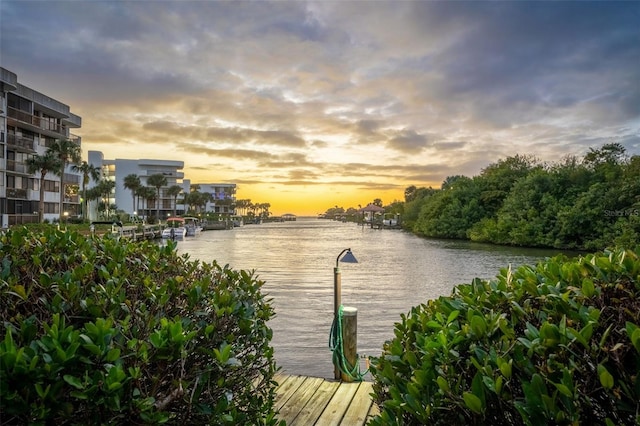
(396, 271)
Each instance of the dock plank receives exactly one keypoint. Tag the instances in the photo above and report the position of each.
(334, 411)
(299, 399)
(359, 408)
(315, 406)
(287, 389)
(302, 400)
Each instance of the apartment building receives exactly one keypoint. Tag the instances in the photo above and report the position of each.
(222, 195)
(116, 170)
(29, 123)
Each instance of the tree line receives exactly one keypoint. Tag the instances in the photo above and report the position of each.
(576, 203)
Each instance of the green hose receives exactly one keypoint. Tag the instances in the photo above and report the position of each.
(337, 347)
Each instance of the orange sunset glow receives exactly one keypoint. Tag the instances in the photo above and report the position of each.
(309, 105)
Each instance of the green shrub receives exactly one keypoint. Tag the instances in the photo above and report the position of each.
(101, 331)
(558, 343)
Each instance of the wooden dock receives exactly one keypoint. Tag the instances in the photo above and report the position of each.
(303, 400)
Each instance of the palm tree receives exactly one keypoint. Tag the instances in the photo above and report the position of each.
(149, 196)
(67, 152)
(141, 193)
(174, 191)
(43, 164)
(93, 193)
(157, 181)
(132, 183)
(187, 202)
(207, 197)
(104, 188)
(242, 206)
(265, 209)
(89, 172)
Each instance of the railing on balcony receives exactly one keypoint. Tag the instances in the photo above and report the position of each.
(20, 219)
(74, 138)
(72, 179)
(40, 122)
(18, 167)
(20, 141)
(17, 193)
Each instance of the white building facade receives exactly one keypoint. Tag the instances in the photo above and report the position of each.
(222, 195)
(29, 123)
(123, 198)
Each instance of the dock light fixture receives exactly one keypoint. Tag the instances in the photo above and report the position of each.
(345, 256)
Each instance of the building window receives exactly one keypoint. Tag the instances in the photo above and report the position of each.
(47, 141)
(51, 186)
(17, 182)
(19, 103)
(33, 184)
(51, 208)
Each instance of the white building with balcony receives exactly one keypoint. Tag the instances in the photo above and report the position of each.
(222, 200)
(223, 197)
(29, 123)
(123, 198)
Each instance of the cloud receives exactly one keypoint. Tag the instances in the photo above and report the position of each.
(363, 93)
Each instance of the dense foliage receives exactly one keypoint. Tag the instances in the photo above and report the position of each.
(586, 203)
(558, 343)
(101, 331)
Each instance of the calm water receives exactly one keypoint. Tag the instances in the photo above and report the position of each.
(396, 271)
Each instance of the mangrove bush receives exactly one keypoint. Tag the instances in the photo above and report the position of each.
(558, 343)
(103, 331)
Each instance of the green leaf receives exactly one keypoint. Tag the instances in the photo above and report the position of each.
(93, 349)
(222, 354)
(452, 316)
(442, 384)
(19, 291)
(588, 289)
(478, 325)
(563, 389)
(587, 331)
(79, 395)
(633, 331)
(472, 402)
(113, 355)
(489, 383)
(605, 335)
(606, 379)
(73, 381)
(505, 367)
(42, 393)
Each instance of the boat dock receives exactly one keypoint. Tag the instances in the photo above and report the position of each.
(135, 233)
(303, 400)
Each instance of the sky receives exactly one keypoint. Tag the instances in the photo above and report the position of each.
(311, 105)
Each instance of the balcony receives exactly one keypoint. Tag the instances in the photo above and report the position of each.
(39, 123)
(17, 193)
(20, 142)
(17, 167)
(8, 80)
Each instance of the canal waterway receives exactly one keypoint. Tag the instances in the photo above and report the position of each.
(395, 271)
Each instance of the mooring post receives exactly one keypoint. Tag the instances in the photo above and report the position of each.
(350, 338)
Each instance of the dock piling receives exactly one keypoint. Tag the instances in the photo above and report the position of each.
(350, 338)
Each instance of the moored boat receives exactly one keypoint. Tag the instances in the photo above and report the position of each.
(192, 226)
(175, 229)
